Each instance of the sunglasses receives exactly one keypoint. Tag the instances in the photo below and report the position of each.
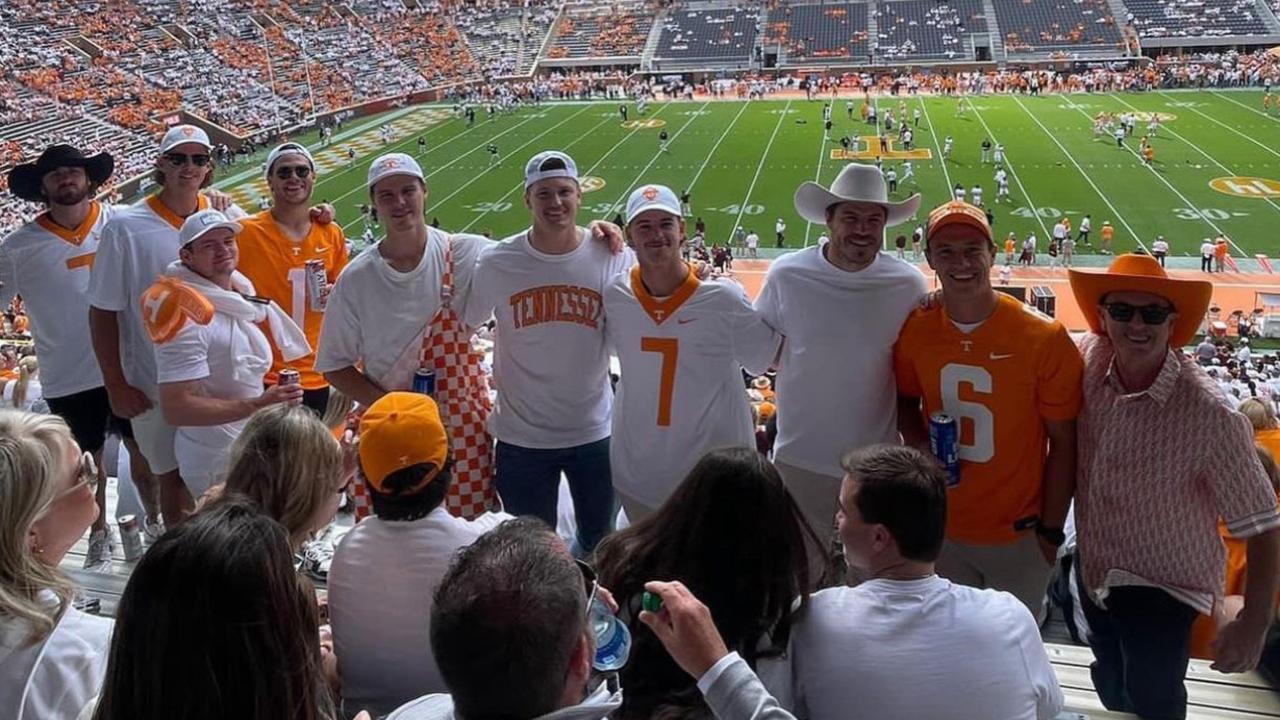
(86, 476)
(284, 173)
(180, 159)
(590, 582)
(1151, 314)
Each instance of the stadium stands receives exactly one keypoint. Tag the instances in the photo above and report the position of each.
(505, 38)
(1070, 26)
(617, 29)
(927, 29)
(820, 33)
(709, 35)
(1201, 18)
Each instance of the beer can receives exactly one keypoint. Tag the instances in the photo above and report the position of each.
(130, 537)
(424, 381)
(288, 376)
(317, 285)
(944, 441)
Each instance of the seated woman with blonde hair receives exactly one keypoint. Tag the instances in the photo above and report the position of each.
(52, 656)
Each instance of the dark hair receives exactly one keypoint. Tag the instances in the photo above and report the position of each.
(505, 621)
(399, 506)
(730, 532)
(904, 490)
(215, 623)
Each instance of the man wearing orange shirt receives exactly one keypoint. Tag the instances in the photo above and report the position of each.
(1010, 377)
(292, 258)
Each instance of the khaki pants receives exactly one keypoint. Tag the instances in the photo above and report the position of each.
(1018, 569)
(818, 497)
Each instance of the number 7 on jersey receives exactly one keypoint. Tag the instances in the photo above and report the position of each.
(669, 349)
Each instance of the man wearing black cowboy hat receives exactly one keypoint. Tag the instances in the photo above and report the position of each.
(47, 261)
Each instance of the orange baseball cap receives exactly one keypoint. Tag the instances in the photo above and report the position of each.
(958, 213)
(400, 430)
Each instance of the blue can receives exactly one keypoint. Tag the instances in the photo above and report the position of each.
(424, 381)
(944, 441)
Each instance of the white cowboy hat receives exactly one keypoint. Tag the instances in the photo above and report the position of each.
(855, 183)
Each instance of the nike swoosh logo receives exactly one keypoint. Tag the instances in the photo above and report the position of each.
(683, 321)
(995, 356)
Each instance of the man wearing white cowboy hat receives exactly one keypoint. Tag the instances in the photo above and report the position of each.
(211, 355)
(840, 306)
(1148, 501)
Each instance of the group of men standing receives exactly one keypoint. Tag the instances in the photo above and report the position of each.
(155, 315)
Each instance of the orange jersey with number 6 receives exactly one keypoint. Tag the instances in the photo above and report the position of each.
(276, 265)
(1001, 382)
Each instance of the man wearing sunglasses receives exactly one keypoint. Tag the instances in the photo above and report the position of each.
(293, 259)
(1010, 378)
(1161, 459)
(136, 247)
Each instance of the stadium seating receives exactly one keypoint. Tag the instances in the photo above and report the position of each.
(820, 33)
(721, 35)
(1200, 18)
(1070, 26)
(505, 38)
(927, 29)
(618, 29)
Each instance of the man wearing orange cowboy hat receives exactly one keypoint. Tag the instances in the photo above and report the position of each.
(1148, 501)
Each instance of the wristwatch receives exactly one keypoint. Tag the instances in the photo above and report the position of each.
(1053, 535)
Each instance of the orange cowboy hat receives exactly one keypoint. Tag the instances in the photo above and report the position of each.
(1143, 273)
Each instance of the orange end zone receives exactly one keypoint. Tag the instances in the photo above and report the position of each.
(1231, 291)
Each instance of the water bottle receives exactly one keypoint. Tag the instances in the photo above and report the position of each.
(613, 639)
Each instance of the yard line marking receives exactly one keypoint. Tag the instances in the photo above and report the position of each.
(719, 140)
(817, 175)
(1217, 93)
(581, 137)
(1215, 121)
(1159, 175)
(623, 197)
(1083, 174)
(742, 208)
(1034, 207)
(945, 172)
(436, 205)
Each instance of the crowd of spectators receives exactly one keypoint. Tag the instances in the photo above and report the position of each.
(1201, 18)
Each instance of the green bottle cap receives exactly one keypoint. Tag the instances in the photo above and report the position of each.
(651, 602)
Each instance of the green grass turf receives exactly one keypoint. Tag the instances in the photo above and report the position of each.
(743, 161)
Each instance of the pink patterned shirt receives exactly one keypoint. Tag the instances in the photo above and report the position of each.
(1157, 469)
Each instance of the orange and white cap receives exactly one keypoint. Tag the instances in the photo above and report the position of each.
(400, 430)
(182, 134)
(958, 213)
(652, 197)
(393, 164)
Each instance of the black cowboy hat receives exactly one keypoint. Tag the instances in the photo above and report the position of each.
(25, 179)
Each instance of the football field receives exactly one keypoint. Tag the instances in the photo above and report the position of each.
(1217, 163)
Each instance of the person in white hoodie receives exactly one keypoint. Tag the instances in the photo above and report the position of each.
(517, 586)
(211, 356)
(52, 656)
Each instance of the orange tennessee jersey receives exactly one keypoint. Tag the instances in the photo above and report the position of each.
(1001, 382)
(277, 267)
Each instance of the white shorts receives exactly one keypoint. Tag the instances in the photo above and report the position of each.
(155, 439)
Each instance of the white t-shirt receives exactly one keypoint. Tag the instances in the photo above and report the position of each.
(68, 675)
(135, 248)
(551, 363)
(376, 312)
(1160, 246)
(380, 586)
(920, 649)
(1206, 249)
(665, 419)
(1059, 231)
(1086, 224)
(49, 267)
(34, 398)
(835, 381)
(753, 240)
(779, 226)
(212, 354)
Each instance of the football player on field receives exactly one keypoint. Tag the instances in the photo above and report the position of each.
(1010, 378)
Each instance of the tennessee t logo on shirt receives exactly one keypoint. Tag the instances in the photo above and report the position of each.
(556, 303)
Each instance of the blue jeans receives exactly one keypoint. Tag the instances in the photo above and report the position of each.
(529, 482)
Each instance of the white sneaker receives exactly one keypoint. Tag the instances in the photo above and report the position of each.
(317, 556)
(101, 548)
(152, 531)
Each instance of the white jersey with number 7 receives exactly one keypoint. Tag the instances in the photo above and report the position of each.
(682, 392)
